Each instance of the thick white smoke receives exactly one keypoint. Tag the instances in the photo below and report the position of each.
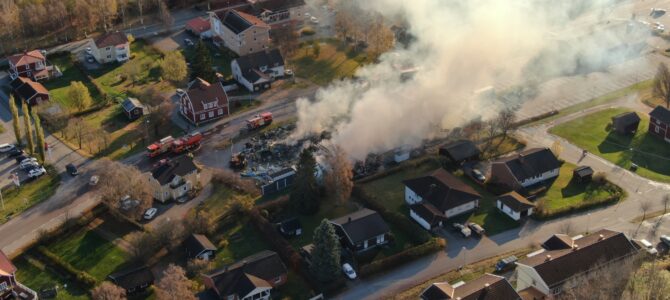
(460, 47)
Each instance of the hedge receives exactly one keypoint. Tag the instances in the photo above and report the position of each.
(384, 264)
(616, 197)
(81, 276)
(405, 165)
(283, 248)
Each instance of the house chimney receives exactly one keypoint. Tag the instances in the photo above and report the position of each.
(521, 157)
(548, 257)
(575, 247)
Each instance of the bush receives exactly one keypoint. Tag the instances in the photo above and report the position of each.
(397, 259)
(307, 31)
(223, 244)
(270, 233)
(81, 276)
(235, 182)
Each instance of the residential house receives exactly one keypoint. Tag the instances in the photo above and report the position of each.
(278, 181)
(256, 71)
(436, 197)
(564, 258)
(199, 27)
(485, 287)
(625, 123)
(515, 205)
(10, 288)
(362, 230)
(174, 178)
(253, 277)
(279, 13)
(132, 108)
(582, 174)
(133, 280)
(524, 169)
(659, 123)
(460, 151)
(33, 93)
(198, 246)
(111, 47)
(204, 102)
(31, 64)
(240, 32)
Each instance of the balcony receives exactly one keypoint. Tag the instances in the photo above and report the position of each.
(23, 292)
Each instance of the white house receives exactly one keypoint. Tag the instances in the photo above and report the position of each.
(561, 260)
(174, 178)
(240, 32)
(515, 205)
(257, 71)
(437, 197)
(524, 169)
(111, 47)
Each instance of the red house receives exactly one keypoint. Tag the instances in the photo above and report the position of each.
(204, 102)
(9, 287)
(659, 123)
(30, 91)
(29, 64)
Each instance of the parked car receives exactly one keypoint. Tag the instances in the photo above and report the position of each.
(150, 213)
(4, 148)
(72, 170)
(15, 152)
(37, 172)
(188, 42)
(666, 240)
(21, 158)
(464, 230)
(27, 164)
(349, 271)
(288, 73)
(479, 230)
(89, 50)
(477, 175)
(506, 263)
(314, 20)
(90, 59)
(94, 180)
(648, 247)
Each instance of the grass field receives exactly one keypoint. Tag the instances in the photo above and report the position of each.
(37, 276)
(89, 252)
(16, 200)
(243, 240)
(334, 62)
(592, 133)
(220, 58)
(58, 88)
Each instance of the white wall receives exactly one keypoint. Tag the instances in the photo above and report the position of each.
(419, 220)
(411, 197)
(527, 277)
(544, 176)
(461, 209)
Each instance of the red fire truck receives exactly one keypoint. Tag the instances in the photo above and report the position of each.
(170, 144)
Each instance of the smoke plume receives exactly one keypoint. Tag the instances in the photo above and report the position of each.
(459, 47)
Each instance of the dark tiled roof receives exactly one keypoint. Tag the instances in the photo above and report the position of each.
(200, 92)
(131, 103)
(623, 120)
(245, 275)
(558, 241)
(515, 201)
(661, 113)
(277, 5)
(486, 287)
(290, 224)
(238, 21)
(111, 39)
(442, 189)
(460, 150)
(428, 212)
(362, 225)
(250, 64)
(588, 253)
(197, 243)
(132, 278)
(182, 165)
(530, 163)
(583, 171)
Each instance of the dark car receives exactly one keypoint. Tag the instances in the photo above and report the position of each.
(21, 157)
(71, 169)
(15, 152)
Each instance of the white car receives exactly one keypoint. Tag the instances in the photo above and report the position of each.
(349, 271)
(28, 164)
(648, 247)
(150, 213)
(180, 92)
(314, 20)
(6, 147)
(89, 50)
(94, 180)
(37, 172)
(27, 161)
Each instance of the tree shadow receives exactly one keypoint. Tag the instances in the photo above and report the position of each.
(651, 154)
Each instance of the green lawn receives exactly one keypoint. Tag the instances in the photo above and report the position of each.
(16, 200)
(220, 58)
(35, 275)
(592, 133)
(89, 252)
(334, 62)
(243, 240)
(309, 223)
(58, 88)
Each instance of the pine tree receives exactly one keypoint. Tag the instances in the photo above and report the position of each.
(326, 254)
(202, 63)
(305, 194)
(39, 133)
(15, 120)
(28, 128)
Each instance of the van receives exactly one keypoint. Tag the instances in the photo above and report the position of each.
(648, 247)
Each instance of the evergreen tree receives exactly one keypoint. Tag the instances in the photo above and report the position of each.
(27, 125)
(326, 254)
(39, 133)
(202, 63)
(305, 194)
(15, 119)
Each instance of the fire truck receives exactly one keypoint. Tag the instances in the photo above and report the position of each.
(259, 121)
(172, 145)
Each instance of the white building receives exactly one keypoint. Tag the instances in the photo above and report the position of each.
(111, 47)
(257, 71)
(524, 169)
(515, 205)
(174, 178)
(240, 32)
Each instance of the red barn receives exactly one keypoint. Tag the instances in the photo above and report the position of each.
(29, 64)
(204, 102)
(659, 123)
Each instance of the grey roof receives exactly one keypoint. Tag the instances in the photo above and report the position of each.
(245, 275)
(277, 5)
(182, 166)
(428, 212)
(583, 171)
(362, 225)
(132, 278)
(485, 287)
(530, 163)
(460, 150)
(238, 21)
(515, 201)
(661, 113)
(197, 243)
(623, 120)
(558, 241)
(442, 189)
(131, 103)
(250, 64)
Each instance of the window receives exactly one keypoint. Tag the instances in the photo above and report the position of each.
(251, 49)
(211, 114)
(108, 48)
(202, 117)
(657, 129)
(220, 111)
(109, 56)
(3, 286)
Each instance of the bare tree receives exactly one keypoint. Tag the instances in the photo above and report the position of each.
(286, 38)
(650, 281)
(381, 38)
(164, 14)
(339, 179)
(108, 291)
(160, 117)
(662, 84)
(143, 245)
(201, 222)
(123, 180)
(174, 285)
(603, 283)
(645, 206)
(169, 233)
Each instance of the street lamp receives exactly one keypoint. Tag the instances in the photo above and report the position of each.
(588, 222)
(465, 255)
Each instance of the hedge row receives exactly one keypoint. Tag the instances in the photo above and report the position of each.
(535, 118)
(70, 225)
(412, 230)
(56, 261)
(384, 264)
(270, 233)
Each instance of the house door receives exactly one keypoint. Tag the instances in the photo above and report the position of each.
(524, 213)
